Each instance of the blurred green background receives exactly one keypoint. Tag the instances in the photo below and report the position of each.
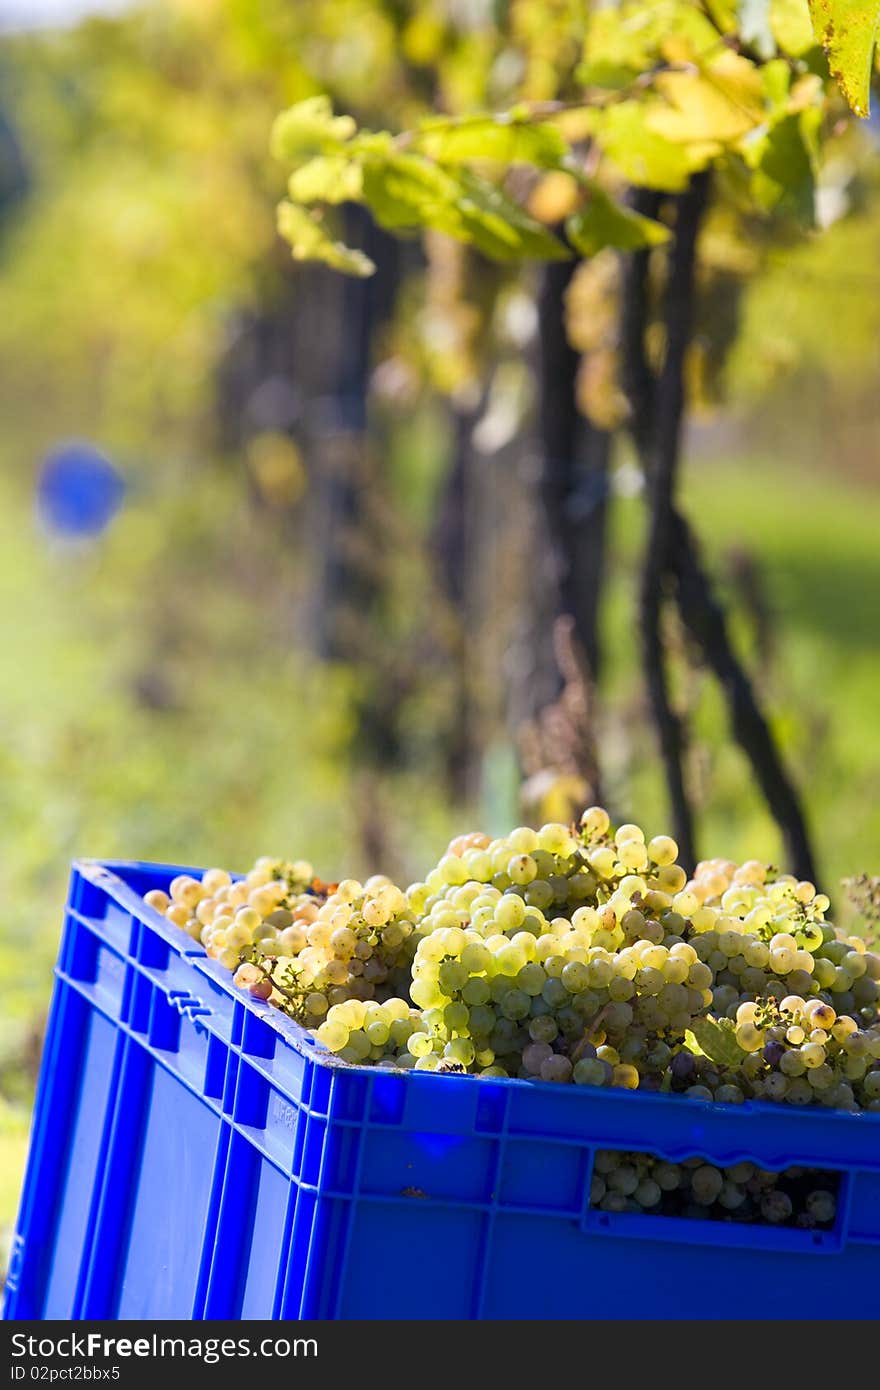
(247, 661)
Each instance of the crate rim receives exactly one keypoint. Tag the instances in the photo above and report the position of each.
(101, 872)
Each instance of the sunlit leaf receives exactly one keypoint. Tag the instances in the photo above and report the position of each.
(716, 1039)
(606, 223)
(776, 77)
(848, 30)
(326, 179)
(625, 40)
(507, 139)
(718, 104)
(500, 227)
(724, 14)
(405, 190)
(785, 172)
(792, 26)
(309, 128)
(641, 154)
(309, 241)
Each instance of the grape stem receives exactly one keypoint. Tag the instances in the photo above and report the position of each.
(590, 1031)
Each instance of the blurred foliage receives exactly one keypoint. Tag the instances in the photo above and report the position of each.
(663, 89)
(161, 695)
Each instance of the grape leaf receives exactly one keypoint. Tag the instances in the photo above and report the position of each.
(792, 26)
(716, 1038)
(848, 30)
(605, 223)
(500, 227)
(724, 14)
(309, 241)
(507, 139)
(644, 157)
(718, 104)
(625, 40)
(406, 190)
(327, 178)
(309, 128)
(785, 168)
(755, 29)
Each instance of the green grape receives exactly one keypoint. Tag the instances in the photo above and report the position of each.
(456, 1016)
(521, 869)
(821, 1206)
(531, 979)
(706, 1184)
(776, 1207)
(510, 913)
(663, 850)
(731, 1196)
(535, 1055)
(515, 1004)
(334, 1036)
(556, 1068)
(775, 1087)
(668, 1176)
(544, 1028)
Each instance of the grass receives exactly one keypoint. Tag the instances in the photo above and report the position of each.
(13, 1152)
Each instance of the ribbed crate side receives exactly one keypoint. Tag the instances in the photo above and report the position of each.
(416, 1261)
(173, 1175)
(570, 1274)
(246, 1252)
(73, 1097)
(83, 1145)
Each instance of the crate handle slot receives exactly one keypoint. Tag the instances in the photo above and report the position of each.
(186, 1003)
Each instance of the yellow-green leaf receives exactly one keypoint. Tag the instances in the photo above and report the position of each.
(500, 227)
(506, 139)
(643, 156)
(848, 30)
(309, 128)
(605, 223)
(716, 1038)
(406, 190)
(785, 167)
(309, 241)
(625, 40)
(792, 26)
(721, 103)
(327, 179)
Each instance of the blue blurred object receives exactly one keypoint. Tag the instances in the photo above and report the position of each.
(78, 491)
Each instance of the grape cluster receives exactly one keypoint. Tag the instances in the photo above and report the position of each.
(354, 949)
(569, 954)
(228, 918)
(800, 1050)
(646, 1184)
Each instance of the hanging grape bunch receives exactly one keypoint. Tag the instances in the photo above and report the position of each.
(569, 954)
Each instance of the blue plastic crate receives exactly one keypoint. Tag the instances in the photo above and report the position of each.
(196, 1155)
